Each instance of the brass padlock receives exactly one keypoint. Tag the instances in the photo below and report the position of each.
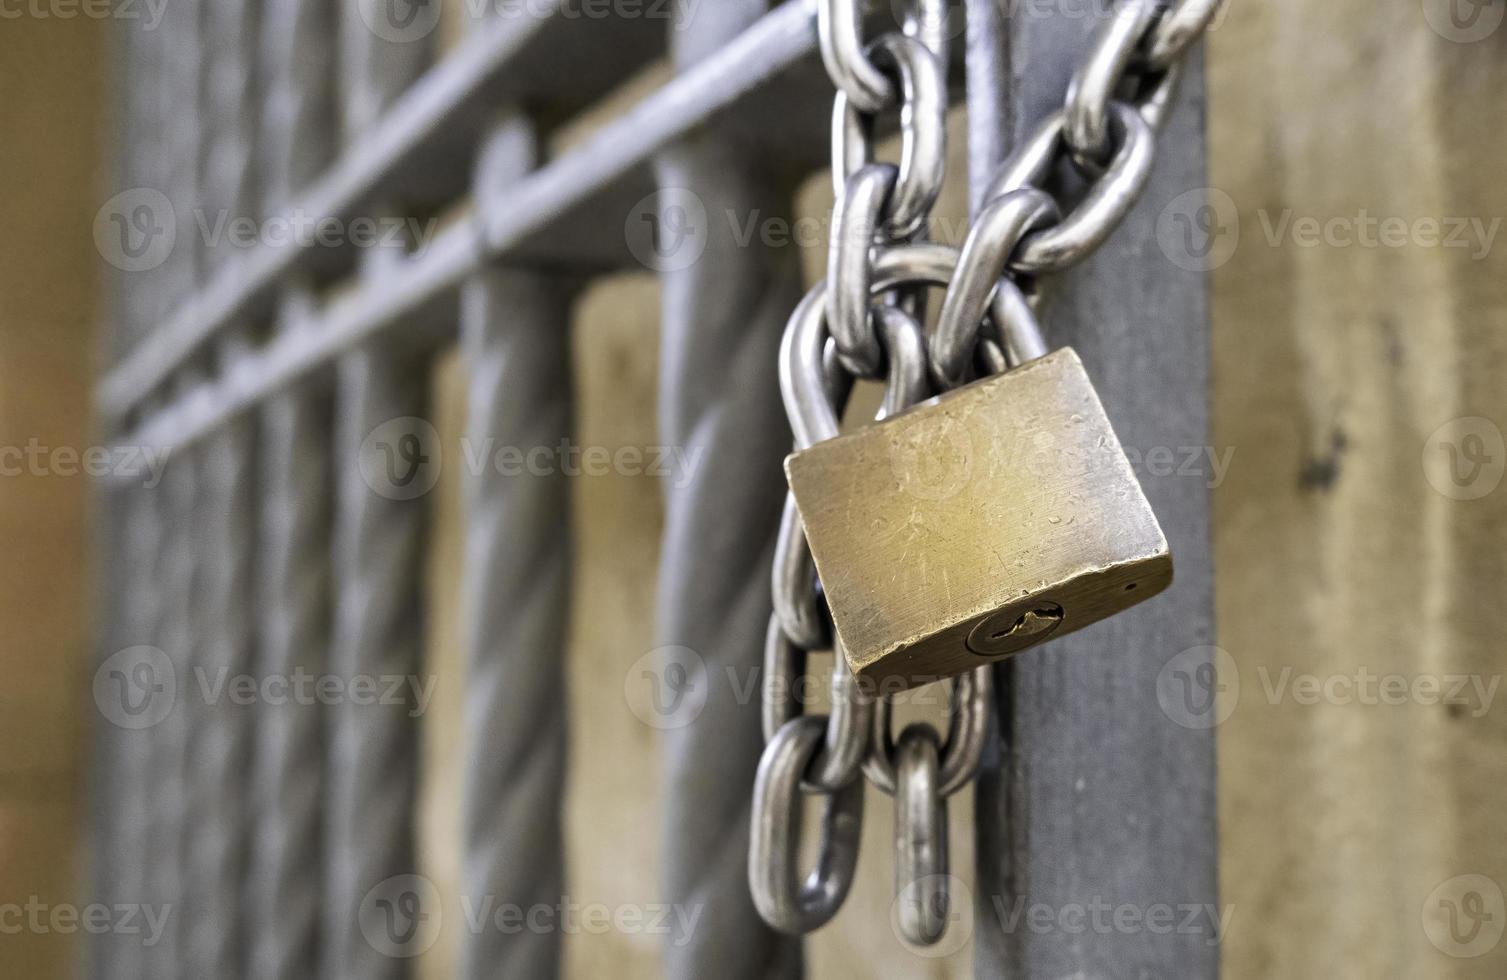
(977, 524)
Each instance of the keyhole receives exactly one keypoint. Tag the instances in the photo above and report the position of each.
(1000, 635)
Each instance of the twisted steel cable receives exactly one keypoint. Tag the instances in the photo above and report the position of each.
(288, 773)
(221, 727)
(377, 633)
(178, 574)
(286, 871)
(178, 506)
(515, 332)
(720, 401)
(121, 757)
(377, 629)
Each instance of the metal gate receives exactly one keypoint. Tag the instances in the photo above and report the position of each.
(383, 206)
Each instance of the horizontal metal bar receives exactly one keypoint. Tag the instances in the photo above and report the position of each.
(519, 54)
(781, 39)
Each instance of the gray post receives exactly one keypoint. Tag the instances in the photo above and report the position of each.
(724, 311)
(1095, 797)
(285, 896)
(515, 334)
(379, 527)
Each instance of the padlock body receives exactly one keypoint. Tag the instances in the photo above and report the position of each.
(977, 524)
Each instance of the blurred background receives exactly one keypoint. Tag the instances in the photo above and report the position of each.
(1359, 336)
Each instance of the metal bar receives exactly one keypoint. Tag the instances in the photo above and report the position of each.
(179, 503)
(378, 629)
(221, 727)
(1096, 797)
(771, 46)
(515, 334)
(724, 312)
(285, 895)
(582, 57)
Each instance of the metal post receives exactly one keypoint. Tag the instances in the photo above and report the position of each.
(1094, 795)
(221, 726)
(515, 334)
(178, 501)
(285, 898)
(378, 531)
(724, 311)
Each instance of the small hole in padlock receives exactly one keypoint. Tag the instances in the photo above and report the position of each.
(1131, 587)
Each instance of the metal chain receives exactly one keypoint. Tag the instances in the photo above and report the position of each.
(863, 322)
(1106, 133)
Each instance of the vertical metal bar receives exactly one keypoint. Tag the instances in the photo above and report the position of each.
(515, 332)
(221, 726)
(117, 758)
(1096, 797)
(177, 499)
(378, 560)
(724, 311)
(285, 899)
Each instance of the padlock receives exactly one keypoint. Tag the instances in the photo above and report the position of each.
(977, 524)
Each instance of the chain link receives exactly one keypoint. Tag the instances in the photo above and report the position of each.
(864, 321)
